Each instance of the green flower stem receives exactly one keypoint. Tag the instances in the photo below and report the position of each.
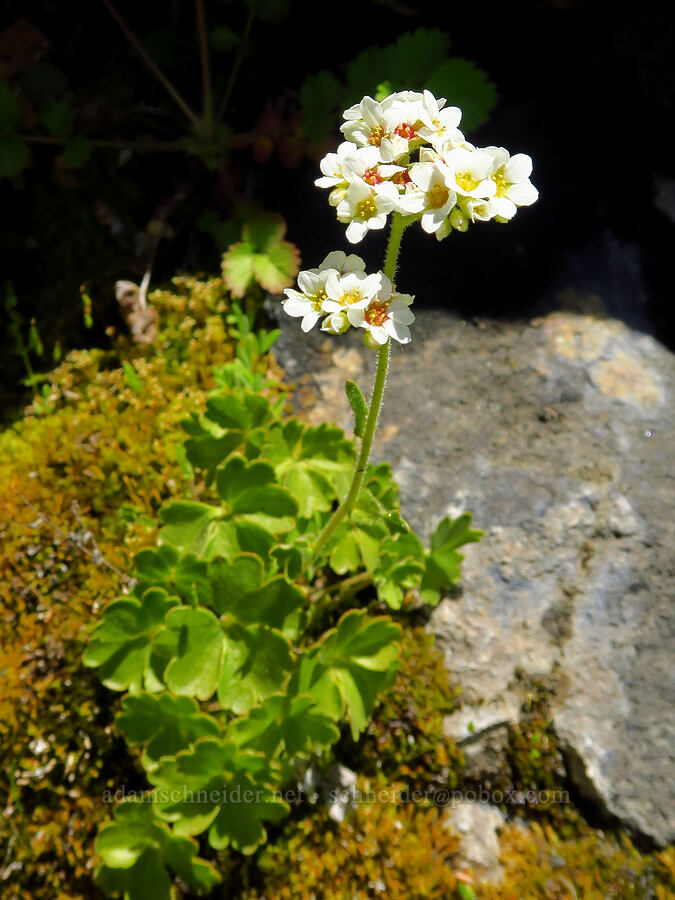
(390, 260)
(337, 594)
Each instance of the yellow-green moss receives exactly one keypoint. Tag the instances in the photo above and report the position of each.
(383, 849)
(80, 485)
(539, 865)
(405, 738)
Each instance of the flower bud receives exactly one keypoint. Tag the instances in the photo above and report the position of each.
(337, 195)
(336, 323)
(458, 220)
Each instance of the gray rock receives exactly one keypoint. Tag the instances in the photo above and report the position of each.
(558, 435)
(477, 825)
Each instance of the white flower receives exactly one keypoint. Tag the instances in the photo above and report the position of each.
(338, 260)
(386, 320)
(364, 165)
(511, 175)
(471, 171)
(364, 123)
(307, 302)
(366, 207)
(331, 166)
(355, 290)
(386, 316)
(439, 125)
(435, 197)
(390, 125)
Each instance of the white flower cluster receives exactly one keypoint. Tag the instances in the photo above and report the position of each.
(341, 293)
(406, 154)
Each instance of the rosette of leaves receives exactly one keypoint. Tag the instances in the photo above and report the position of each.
(235, 664)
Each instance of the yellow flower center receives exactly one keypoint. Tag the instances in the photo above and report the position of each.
(500, 181)
(367, 208)
(466, 181)
(376, 135)
(437, 196)
(317, 300)
(352, 296)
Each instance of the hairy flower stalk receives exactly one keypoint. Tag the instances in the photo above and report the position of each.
(391, 259)
(403, 156)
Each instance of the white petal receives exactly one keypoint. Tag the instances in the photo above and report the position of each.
(327, 181)
(333, 287)
(450, 117)
(356, 316)
(379, 333)
(331, 306)
(334, 260)
(310, 282)
(400, 333)
(310, 320)
(522, 194)
(504, 207)
(295, 307)
(388, 190)
(518, 168)
(371, 284)
(353, 263)
(422, 175)
(357, 191)
(356, 231)
(385, 290)
(431, 220)
(371, 111)
(376, 222)
(400, 313)
(410, 204)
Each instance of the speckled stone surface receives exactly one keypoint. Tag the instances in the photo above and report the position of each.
(558, 435)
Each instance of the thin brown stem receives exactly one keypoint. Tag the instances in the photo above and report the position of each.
(95, 555)
(206, 68)
(111, 143)
(237, 62)
(151, 64)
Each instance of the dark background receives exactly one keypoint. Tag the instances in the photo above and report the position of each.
(585, 89)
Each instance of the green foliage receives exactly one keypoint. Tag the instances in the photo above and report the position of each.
(137, 851)
(443, 564)
(10, 109)
(57, 117)
(241, 653)
(112, 452)
(417, 60)
(262, 257)
(465, 85)
(404, 739)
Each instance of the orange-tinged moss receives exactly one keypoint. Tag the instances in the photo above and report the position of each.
(382, 849)
(539, 865)
(80, 486)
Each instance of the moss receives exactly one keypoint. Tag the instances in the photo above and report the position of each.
(540, 865)
(405, 738)
(382, 849)
(81, 480)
